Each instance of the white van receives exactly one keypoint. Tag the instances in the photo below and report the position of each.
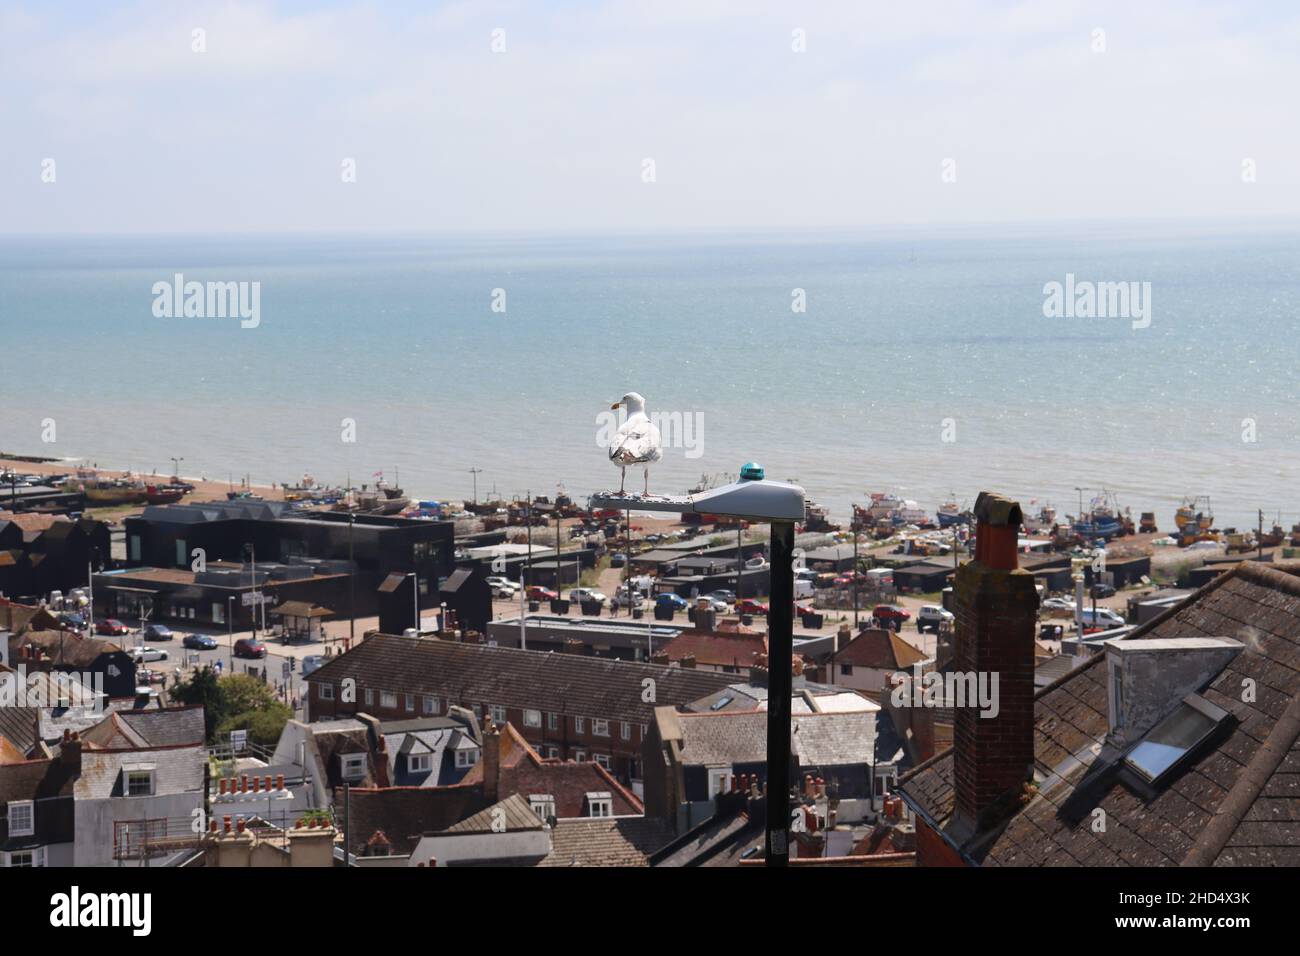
(881, 577)
(803, 588)
(1102, 617)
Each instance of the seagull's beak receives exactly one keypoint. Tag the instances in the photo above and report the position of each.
(616, 405)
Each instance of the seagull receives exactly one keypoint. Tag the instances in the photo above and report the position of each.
(637, 441)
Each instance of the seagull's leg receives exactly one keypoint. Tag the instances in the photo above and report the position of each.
(623, 481)
(647, 481)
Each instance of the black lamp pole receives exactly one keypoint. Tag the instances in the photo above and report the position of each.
(780, 639)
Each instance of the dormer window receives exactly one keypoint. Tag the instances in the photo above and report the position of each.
(600, 804)
(419, 763)
(354, 766)
(137, 780)
(22, 818)
(543, 804)
(467, 757)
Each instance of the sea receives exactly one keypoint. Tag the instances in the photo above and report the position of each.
(920, 361)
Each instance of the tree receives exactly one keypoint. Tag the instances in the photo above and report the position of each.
(235, 702)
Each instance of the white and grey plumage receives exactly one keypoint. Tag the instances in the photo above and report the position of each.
(637, 441)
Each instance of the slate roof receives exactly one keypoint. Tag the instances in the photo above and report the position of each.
(65, 646)
(819, 740)
(1238, 804)
(18, 726)
(606, 841)
(514, 815)
(176, 770)
(159, 727)
(49, 783)
(480, 673)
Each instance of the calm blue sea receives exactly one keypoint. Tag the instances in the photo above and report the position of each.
(903, 330)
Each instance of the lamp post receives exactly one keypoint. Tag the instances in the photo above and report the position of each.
(230, 623)
(781, 504)
(476, 472)
(176, 466)
(352, 586)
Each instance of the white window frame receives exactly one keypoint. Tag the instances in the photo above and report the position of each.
(542, 804)
(499, 713)
(388, 698)
(127, 776)
(325, 691)
(625, 730)
(600, 806)
(430, 704)
(370, 697)
(410, 703)
(580, 756)
(37, 855)
(601, 759)
(419, 763)
(466, 757)
(552, 721)
(579, 725)
(17, 806)
(352, 766)
(599, 727)
(532, 718)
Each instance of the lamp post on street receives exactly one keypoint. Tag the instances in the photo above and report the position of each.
(781, 504)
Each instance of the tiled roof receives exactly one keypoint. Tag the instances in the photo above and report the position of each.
(606, 841)
(524, 772)
(64, 646)
(18, 725)
(1237, 804)
(718, 648)
(404, 814)
(479, 673)
(158, 727)
(881, 649)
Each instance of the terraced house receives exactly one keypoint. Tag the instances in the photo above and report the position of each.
(567, 706)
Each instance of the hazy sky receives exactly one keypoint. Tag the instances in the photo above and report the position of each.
(552, 134)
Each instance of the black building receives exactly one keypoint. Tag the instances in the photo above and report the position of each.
(166, 536)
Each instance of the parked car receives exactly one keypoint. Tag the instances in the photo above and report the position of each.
(716, 603)
(1058, 604)
(931, 616)
(199, 642)
(617, 559)
(1103, 590)
(144, 655)
(723, 595)
(312, 662)
(1103, 617)
(250, 648)
(621, 600)
(674, 601)
(72, 621)
(158, 632)
(503, 587)
(537, 593)
(587, 594)
(750, 606)
(147, 675)
(891, 613)
(112, 627)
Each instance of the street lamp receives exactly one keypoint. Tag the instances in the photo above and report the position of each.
(476, 472)
(230, 624)
(176, 466)
(754, 498)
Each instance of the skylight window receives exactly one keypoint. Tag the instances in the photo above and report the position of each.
(1175, 738)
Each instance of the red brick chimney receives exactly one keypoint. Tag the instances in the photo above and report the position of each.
(997, 607)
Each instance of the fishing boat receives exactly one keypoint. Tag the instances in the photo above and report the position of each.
(1194, 511)
(951, 513)
(1102, 519)
(163, 494)
(815, 518)
(106, 491)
